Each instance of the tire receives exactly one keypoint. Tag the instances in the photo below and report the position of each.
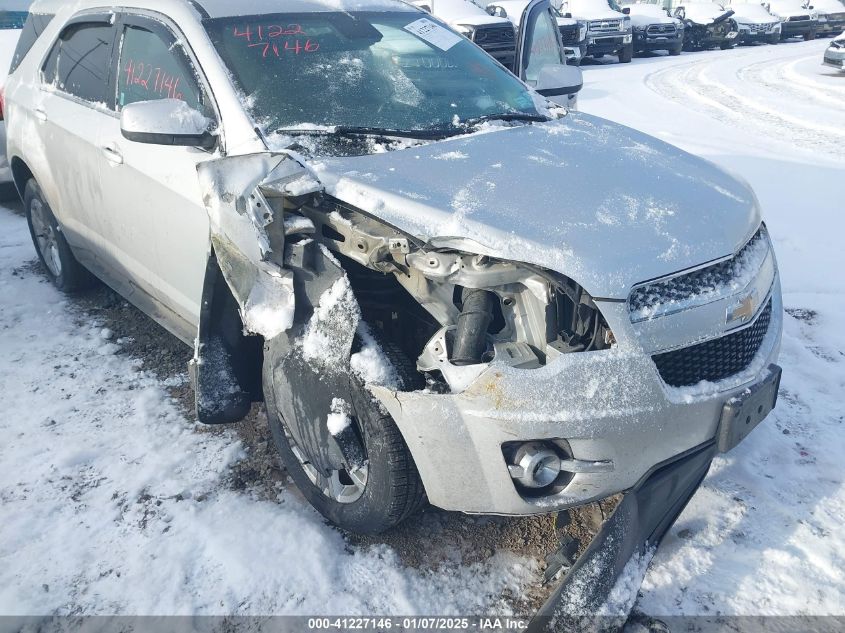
(774, 39)
(809, 36)
(67, 274)
(726, 46)
(676, 51)
(626, 54)
(393, 489)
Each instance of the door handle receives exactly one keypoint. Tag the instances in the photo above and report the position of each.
(113, 155)
(40, 115)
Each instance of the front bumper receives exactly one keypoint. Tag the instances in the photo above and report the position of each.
(643, 41)
(835, 58)
(831, 26)
(611, 407)
(798, 28)
(607, 44)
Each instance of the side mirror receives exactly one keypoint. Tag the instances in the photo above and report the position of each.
(627, 10)
(166, 122)
(555, 80)
(567, 15)
(681, 13)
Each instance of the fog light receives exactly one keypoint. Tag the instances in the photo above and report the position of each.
(535, 465)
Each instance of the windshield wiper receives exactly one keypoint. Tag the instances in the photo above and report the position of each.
(507, 116)
(348, 130)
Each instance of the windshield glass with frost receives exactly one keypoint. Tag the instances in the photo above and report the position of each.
(382, 70)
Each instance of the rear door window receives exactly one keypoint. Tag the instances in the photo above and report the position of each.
(154, 66)
(80, 60)
(32, 30)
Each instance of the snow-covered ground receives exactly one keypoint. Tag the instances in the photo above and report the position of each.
(764, 535)
(112, 502)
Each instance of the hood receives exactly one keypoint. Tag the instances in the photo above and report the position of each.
(789, 8)
(704, 13)
(646, 19)
(598, 14)
(752, 14)
(464, 12)
(601, 203)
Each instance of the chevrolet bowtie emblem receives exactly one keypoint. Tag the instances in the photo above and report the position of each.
(741, 311)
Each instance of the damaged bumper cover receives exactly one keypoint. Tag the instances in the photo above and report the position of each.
(610, 407)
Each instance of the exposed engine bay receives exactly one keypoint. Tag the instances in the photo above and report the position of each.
(452, 311)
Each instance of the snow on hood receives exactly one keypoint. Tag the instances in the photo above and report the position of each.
(645, 14)
(599, 202)
(464, 12)
(788, 8)
(703, 12)
(590, 10)
(750, 13)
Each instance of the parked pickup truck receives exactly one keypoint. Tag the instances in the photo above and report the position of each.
(608, 28)
(654, 29)
(573, 34)
(831, 15)
(798, 19)
(518, 34)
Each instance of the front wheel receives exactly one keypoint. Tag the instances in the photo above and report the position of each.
(726, 46)
(676, 50)
(774, 39)
(626, 54)
(367, 495)
(64, 271)
(809, 36)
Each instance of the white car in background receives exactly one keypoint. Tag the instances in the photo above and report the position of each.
(835, 54)
(654, 29)
(798, 19)
(755, 23)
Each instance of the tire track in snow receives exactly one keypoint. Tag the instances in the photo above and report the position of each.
(694, 84)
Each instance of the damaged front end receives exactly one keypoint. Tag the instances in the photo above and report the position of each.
(480, 362)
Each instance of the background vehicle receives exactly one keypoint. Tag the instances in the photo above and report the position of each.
(608, 28)
(496, 35)
(707, 25)
(831, 15)
(10, 25)
(834, 56)
(654, 29)
(755, 23)
(573, 35)
(798, 18)
(500, 29)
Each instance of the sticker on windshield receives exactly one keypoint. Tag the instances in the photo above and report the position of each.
(433, 33)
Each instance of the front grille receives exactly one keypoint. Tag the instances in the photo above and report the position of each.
(569, 34)
(798, 18)
(716, 359)
(499, 42)
(661, 29)
(711, 281)
(604, 26)
(761, 28)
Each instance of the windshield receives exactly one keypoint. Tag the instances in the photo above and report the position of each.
(396, 71)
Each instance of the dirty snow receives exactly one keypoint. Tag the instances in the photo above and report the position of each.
(329, 332)
(111, 502)
(371, 364)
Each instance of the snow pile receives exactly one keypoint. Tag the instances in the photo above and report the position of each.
(339, 418)
(113, 503)
(269, 309)
(371, 364)
(328, 334)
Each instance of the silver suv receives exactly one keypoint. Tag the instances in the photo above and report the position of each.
(440, 284)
